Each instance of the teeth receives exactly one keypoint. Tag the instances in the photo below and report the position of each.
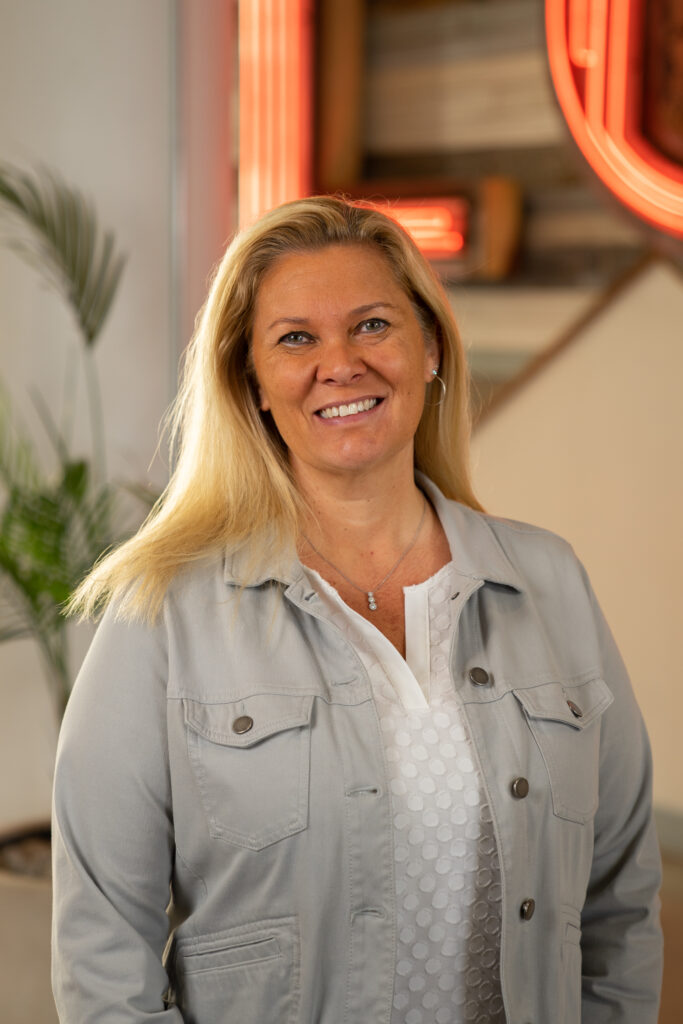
(348, 410)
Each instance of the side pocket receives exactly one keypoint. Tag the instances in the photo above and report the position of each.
(565, 721)
(248, 974)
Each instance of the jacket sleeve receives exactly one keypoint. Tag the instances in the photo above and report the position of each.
(113, 834)
(621, 936)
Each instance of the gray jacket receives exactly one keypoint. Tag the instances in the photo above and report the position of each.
(230, 758)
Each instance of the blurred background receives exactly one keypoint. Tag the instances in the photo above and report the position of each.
(536, 152)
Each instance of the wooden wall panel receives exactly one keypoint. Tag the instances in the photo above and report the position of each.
(458, 76)
(464, 104)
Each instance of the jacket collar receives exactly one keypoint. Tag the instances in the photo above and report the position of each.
(243, 570)
(475, 548)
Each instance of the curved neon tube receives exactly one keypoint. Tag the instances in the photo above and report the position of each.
(595, 39)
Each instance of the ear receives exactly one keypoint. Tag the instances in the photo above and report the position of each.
(261, 397)
(432, 357)
(255, 385)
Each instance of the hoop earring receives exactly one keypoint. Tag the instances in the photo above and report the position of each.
(435, 376)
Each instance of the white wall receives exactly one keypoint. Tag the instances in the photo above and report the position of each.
(593, 449)
(206, 155)
(86, 89)
(131, 101)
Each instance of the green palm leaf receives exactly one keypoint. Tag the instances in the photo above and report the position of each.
(19, 465)
(54, 525)
(62, 237)
(16, 618)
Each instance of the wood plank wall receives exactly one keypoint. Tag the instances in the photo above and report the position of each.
(460, 90)
(457, 77)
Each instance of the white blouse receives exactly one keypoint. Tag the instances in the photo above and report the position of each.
(448, 891)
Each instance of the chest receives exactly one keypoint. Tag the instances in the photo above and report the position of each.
(387, 613)
(385, 607)
(283, 752)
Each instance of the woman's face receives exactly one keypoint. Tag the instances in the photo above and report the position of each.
(341, 360)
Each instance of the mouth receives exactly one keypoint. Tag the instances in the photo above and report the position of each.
(333, 412)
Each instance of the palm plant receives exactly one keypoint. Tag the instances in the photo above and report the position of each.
(53, 525)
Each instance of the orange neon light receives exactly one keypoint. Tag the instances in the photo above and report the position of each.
(579, 37)
(275, 117)
(275, 95)
(438, 226)
(594, 53)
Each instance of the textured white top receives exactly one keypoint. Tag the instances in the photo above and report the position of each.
(447, 872)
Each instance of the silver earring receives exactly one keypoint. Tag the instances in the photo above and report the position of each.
(435, 376)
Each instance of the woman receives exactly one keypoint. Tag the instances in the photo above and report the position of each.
(367, 753)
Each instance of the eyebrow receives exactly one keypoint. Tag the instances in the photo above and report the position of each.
(358, 311)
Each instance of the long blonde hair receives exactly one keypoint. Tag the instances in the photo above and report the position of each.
(232, 484)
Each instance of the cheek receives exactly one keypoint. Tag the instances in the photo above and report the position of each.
(280, 392)
(268, 383)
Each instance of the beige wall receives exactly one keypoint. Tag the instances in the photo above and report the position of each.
(593, 449)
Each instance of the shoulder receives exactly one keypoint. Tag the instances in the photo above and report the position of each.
(505, 550)
(540, 566)
(198, 585)
(554, 612)
(516, 531)
(481, 537)
(527, 543)
(127, 667)
(130, 636)
(545, 562)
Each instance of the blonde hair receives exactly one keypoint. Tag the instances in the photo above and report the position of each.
(232, 484)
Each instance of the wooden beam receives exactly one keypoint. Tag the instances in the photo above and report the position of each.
(516, 384)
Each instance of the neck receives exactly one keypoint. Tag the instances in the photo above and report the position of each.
(373, 514)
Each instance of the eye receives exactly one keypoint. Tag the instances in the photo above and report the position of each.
(373, 326)
(295, 338)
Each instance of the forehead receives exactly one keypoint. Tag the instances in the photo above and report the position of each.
(342, 272)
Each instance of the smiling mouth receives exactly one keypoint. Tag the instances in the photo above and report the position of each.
(352, 409)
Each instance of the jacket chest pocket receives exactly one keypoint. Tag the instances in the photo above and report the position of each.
(251, 759)
(565, 722)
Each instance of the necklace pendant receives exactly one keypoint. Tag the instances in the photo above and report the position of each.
(372, 604)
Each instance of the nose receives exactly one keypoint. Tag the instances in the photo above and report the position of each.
(340, 362)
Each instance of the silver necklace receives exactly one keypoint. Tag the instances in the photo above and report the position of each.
(370, 594)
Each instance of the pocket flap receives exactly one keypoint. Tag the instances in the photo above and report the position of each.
(554, 701)
(242, 723)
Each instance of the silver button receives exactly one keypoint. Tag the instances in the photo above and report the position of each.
(519, 787)
(527, 909)
(479, 676)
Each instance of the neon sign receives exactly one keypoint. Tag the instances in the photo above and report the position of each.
(275, 97)
(275, 127)
(438, 226)
(596, 50)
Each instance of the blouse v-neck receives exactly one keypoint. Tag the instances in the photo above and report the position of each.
(410, 676)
